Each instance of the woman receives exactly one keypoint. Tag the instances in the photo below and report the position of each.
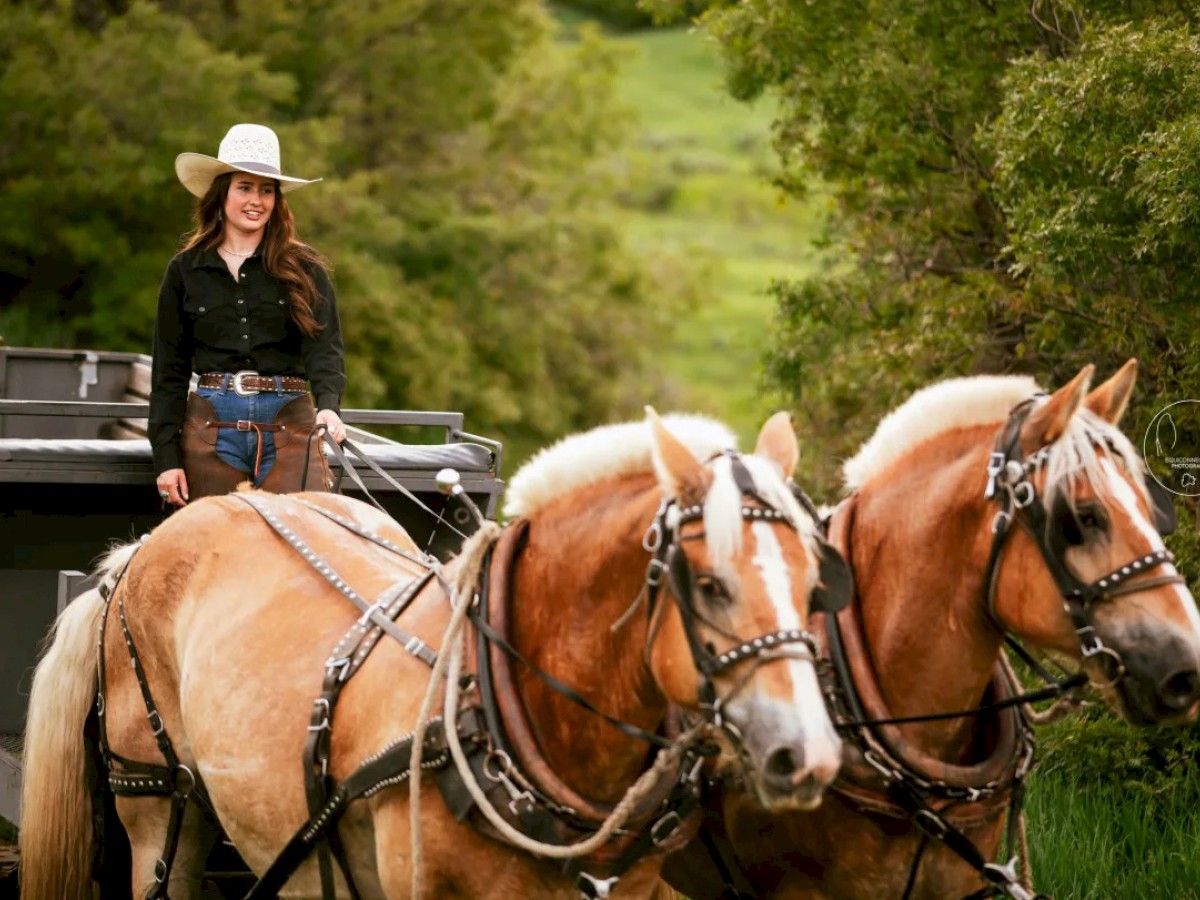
(252, 309)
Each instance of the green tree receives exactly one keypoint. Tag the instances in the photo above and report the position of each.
(1013, 189)
(465, 210)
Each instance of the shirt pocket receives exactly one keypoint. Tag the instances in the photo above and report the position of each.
(213, 319)
(273, 315)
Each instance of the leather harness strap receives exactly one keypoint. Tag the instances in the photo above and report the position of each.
(132, 778)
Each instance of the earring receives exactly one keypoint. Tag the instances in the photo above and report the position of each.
(220, 216)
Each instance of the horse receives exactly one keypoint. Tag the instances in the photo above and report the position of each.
(229, 609)
(980, 509)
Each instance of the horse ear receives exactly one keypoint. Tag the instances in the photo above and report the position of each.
(679, 472)
(1110, 399)
(777, 443)
(1047, 423)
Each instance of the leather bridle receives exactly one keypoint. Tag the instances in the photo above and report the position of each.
(664, 540)
(1010, 485)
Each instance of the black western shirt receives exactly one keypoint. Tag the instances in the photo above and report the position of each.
(209, 321)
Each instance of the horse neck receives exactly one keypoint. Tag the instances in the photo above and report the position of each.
(919, 545)
(582, 567)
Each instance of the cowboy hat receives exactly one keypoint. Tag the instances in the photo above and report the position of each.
(245, 148)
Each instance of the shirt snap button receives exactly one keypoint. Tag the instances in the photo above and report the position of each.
(202, 309)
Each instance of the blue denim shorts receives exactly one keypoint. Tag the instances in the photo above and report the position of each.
(239, 448)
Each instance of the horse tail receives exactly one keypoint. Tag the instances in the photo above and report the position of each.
(56, 803)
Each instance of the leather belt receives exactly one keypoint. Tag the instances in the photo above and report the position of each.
(246, 384)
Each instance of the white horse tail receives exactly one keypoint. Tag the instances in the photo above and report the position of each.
(56, 803)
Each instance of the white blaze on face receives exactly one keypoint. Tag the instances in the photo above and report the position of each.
(777, 578)
(1123, 495)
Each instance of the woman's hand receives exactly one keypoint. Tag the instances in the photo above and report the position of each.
(333, 424)
(172, 487)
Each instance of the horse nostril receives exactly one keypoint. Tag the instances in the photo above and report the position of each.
(784, 762)
(1180, 690)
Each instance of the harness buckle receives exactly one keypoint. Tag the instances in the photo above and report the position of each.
(880, 766)
(1089, 643)
(1005, 878)
(1023, 494)
(931, 823)
(996, 463)
(654, 571)
(160, 870)
(593, 888)
(185, 785)
(340, 666)
(665, 828)
(653, 537)
(156, 722)
(321, 707)
(239, 386)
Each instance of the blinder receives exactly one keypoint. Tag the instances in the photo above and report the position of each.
(1162, 507)
(836, 585)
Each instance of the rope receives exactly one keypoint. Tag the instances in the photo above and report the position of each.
(1059, 709)
(1026, 862)
(472, 556)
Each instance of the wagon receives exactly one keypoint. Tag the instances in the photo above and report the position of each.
(76, 475)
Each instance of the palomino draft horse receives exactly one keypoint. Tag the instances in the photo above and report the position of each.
(230, 608)
(980, 509)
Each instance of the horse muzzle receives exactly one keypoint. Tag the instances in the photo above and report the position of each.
(1160, 681)
(786, 763)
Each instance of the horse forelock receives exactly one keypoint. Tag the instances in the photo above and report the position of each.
(956, 403)
(723, 513)
(1076, 456)
(610, 451)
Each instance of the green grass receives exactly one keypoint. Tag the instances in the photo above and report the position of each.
(701, 192)
(1102, 841)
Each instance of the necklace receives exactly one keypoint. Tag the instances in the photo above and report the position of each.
(226, 250)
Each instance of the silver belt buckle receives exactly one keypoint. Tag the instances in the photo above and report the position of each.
(239, 388)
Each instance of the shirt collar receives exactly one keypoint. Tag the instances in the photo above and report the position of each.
(209, 258)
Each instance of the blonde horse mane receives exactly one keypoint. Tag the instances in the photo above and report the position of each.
(605, 452)
(984, 399)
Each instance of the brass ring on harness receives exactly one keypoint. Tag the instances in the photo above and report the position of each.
(1115, 657)
(181, 788)
(503, 766)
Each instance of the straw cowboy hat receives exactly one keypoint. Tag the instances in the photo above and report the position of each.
(245, 148)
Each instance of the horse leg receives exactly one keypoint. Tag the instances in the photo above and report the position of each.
(145, 820)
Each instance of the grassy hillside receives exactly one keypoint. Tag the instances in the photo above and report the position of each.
(700, 188)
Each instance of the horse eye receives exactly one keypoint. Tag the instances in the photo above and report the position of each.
(1086, 523)
(710, 588)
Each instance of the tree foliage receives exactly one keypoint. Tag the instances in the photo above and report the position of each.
(1018, 189)
(1016, 186)
(464, 209)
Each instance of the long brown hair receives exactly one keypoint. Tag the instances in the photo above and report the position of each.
(284, 257)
